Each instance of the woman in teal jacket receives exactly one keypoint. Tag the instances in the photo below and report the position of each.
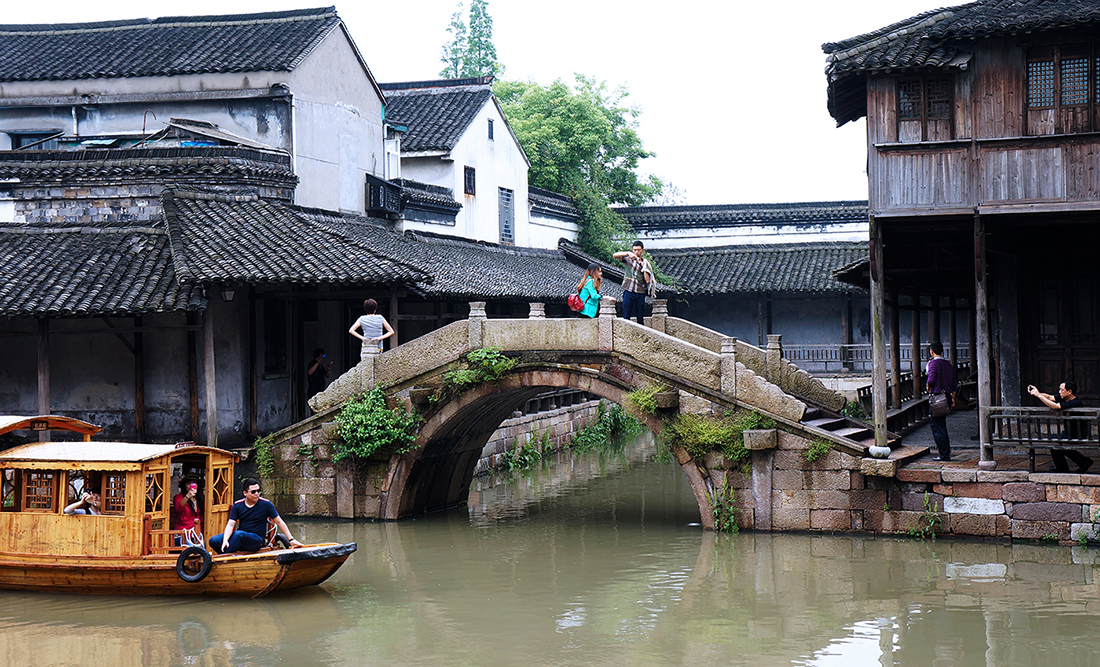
(588, 289)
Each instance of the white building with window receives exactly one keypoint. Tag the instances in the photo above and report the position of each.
(457, 137)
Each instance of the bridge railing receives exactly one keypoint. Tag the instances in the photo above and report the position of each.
(674, 347)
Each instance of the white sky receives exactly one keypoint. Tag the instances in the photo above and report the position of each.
(732, 93)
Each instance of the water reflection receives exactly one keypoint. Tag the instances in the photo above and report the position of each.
(593, 562)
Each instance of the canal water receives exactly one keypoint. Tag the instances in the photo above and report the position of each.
(600, 561)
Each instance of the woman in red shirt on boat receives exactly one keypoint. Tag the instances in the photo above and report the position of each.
(186, 512)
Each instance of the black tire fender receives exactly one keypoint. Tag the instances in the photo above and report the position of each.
(185, 572)
(280, 541)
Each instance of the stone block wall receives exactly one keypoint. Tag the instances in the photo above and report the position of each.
(558, 425)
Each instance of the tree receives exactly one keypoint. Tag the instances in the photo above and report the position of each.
(481, 55)
(582, 144)
(454, 50)
(470, 52)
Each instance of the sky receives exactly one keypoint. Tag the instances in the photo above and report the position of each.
(732, 93)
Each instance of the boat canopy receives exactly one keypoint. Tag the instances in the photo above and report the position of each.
(46, 423)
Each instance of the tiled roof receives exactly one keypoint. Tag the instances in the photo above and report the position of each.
(937, 39)
(436, 116)
(652, 218)
(167, 46)
(415, 192)
(552, 204)
(51, 270)
(796, 267)
(250, 240)
(197, 163)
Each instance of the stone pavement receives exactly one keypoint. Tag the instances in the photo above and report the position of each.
(962, 426)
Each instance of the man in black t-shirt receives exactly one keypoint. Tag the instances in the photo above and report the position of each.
(1067, 398)
(246, 529)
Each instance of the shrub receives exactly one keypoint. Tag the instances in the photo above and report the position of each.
(366, 426)
(701, 434)
(487, 364)
(854, 409)
(608, 428)
(265, 456)
(816, 450)
(645, 398)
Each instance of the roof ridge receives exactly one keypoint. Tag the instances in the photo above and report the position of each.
(168, 22)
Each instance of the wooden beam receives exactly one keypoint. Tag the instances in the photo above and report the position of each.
(394, 339)
(208, 369)
(878, 323)
(953, 334)
(44, 371)
(914, 334)
(139, 381)
(985, 346)
(252, 362)
(895, 355)
(193, 378)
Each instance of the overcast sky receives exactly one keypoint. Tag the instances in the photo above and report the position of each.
(732, 94)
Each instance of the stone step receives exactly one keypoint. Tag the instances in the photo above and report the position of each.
(855, 432)
(827, 423)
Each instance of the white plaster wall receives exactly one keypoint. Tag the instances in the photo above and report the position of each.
(338, 126)
(545, 232)
(696, 237)
(498, 163)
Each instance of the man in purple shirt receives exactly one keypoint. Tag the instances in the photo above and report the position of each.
(941, 380)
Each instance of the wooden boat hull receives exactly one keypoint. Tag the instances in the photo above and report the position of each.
(247, 575)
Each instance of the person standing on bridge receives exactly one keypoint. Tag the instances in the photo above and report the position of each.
(372, 325)
(588, 289)
(637, 281)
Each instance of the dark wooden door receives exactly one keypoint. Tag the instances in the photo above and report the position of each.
(1066, 334)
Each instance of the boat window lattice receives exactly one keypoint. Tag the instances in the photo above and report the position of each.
(114, 494)
(39, 491)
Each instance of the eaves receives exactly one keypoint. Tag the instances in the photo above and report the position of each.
(130, 98)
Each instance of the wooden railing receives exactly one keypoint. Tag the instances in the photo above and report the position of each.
(1038, 428)
(857, 357)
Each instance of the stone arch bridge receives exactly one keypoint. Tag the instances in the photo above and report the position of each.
(605, 356)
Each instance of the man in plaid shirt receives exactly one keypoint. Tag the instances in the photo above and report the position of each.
(637, 281)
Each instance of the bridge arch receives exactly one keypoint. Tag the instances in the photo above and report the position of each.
(438, 473)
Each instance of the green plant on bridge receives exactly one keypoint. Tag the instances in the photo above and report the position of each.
(528, 453)
(854, 409)
(702, 434)
(818, 448)
(366, 426)
(265, 456)
(726, 512)
(487, 364)
(645, 399)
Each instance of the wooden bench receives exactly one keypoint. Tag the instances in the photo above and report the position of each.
(1043, 428)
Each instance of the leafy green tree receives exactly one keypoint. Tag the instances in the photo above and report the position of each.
(454, 50)
(470, 51)
(584, 144)
(480, 58)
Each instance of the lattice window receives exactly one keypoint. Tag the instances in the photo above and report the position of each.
(114, 494)
(154, 491)
(221, 487)
(1075, 81)
(909, 99)
(938, 96)
(9, 490)
(1040, 84)
(39, 491)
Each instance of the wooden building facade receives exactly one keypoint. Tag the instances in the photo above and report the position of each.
(984, 175)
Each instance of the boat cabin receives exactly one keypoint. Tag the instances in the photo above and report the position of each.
(136, 484)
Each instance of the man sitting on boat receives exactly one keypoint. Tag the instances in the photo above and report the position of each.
(250, 515)
(89, 503)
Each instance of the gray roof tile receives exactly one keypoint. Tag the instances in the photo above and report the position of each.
(436, 116)
(167, 46)
(654, 218)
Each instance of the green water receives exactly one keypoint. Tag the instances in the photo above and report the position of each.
(596, 562)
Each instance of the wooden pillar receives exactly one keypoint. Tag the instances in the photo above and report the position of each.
(895, 350)
(395, 338)
(935, 329)
(845, 333)
(878, 342)
(44, 372)
(914, 334)
(208, 375)
(193, 377)
(253, 362)
(760, 333)
(953, 334)
(985, 346)
(139, 380)
(972, 337)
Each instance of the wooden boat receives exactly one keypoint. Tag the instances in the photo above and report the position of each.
(129, 548)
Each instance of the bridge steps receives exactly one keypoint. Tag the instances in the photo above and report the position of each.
(857, 435)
